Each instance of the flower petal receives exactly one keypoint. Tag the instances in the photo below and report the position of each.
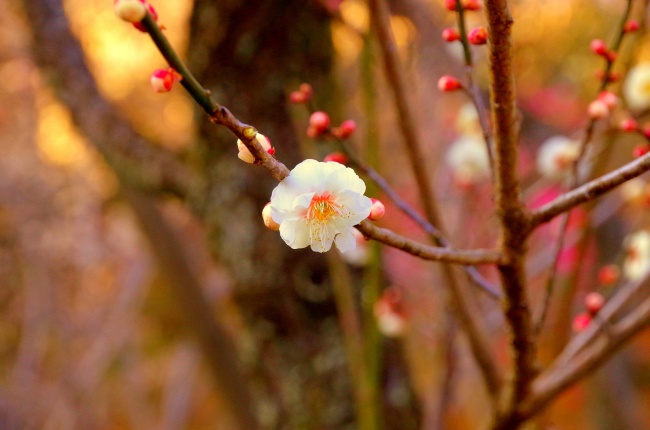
(295, 233)
(346, 240)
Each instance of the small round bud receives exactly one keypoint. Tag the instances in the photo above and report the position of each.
(320, 121)
(629, 124)
(269, 222)
(130, 10)
(473, 5)
(598, 109)
(449, 83)
(450, 35)
(162, 80)
(631, 26)
(478, 36)
(609, 98)
(377, 210)
(598, 47)
(245, 154)
(611, 56)
(306, 89)
(581, 322)
(338, 157)
(345, 130)
(297, 97)
(450, 5)
(153, 13)
(594, 302)
(609, 274)
(640, 150)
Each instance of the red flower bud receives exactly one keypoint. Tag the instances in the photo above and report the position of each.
(608, 274)
(629, 124)
(450, 5)
(319, 121)
(478, 36)
(472, 5)
(640, 150)
(345, 130)
(449, 83)
(297, 97)
(594, 302)
(581, 322)
(598, 47)
(631, 26)
(450, 34)
(338, 157)
(377, 210)
(153, 13)
(162, 80)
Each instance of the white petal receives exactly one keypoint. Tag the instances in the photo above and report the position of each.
(345, 240)
(322, 237)
(295, 233)
(343, 178)
(357, 205)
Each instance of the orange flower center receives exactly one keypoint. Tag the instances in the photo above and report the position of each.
(322, 208)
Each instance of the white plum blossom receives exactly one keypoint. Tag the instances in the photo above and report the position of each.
(319, 203)
(636, 89)
(636, 265)
(556, 156)
(468, 158)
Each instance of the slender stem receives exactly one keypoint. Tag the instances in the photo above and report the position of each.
(510, 210)
(427, 252)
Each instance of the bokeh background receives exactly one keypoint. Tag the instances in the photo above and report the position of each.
(91, 335)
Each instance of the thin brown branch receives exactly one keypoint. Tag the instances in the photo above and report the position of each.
(436, 253)
(590, 190)
(510, 210)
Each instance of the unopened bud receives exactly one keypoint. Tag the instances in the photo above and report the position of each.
(609, 274)
(450, 34)
(478, 36)
(449, 83)
(640, 150)
(581, 322)
(631, 26)
(471, 5)
(598, 109)
(450, 4)
(269, 222)
(629, 124)
(319, 121)
(345, 130)
(152, 11)
(130, 10)
(609, 98)
(338, 157)
(377, 210)
(594, 302)
(598, 47)
(162, 80)
(246, 155)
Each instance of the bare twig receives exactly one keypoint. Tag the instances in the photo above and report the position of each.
(590, 190)
(512, 215)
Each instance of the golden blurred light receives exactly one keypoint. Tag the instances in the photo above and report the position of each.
(57, 140)
(355, 14)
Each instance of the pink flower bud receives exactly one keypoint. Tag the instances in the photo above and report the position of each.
(594, 302)
(153, 13)
(640, 150)
(162, 80)
(130, 10)
(472, 5)
(450, 34)
(478, 36)
(297, 97)
(611, 56)
(345, 130)
(338, 157)
(631, 26)
(448, 83)
(598, 47)
(598, 109)
(319, 121)
(450, 5)
(269, 222)
(306, 89)
(581, 322)
(609, 98)
(629, 124)
(609, 274)
(377, 210)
